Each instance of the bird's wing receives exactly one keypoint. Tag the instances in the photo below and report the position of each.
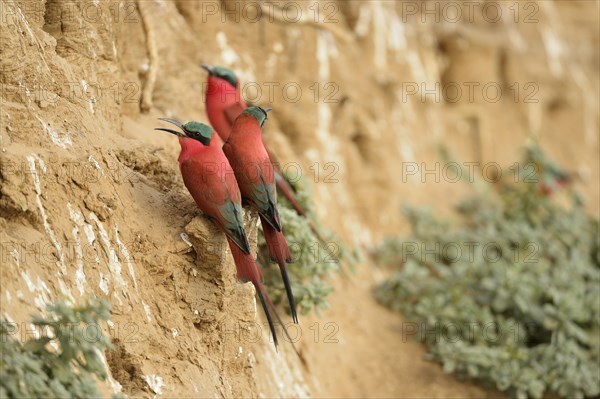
(264, 195)
(256, 180)
(218, 196)
(253, 168)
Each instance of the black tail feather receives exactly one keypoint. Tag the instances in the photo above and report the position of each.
(290, 295)
(285, 331)
(268, 314)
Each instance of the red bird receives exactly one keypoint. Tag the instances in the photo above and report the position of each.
(210, 180)
(224, 103)
(224, 100)
(255, 175)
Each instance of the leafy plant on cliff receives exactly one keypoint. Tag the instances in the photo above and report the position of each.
(510, 294)
(63, 361)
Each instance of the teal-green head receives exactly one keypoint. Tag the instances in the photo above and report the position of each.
(260, 114)
(222, 73)
(193, 130)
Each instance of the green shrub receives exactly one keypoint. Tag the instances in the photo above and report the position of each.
(36, 369)
(523, 314)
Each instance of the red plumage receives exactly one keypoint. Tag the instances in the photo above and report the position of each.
(223, 105)
(256, 179)
(276, 243)
(210, 180)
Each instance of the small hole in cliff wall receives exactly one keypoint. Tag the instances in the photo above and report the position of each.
(503, 70)
(125, 369)
(190, 9)
(52, 18)
(556, 104)
(445, 76)
(350, 11)
(362, 144)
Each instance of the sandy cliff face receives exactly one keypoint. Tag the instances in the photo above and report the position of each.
(92, 201)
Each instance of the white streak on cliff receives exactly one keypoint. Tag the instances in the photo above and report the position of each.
(397, 35)
(96, 164)
(328, 142)
(104, 283)
(128, 260)
(90, 101)
(228, 55)
(113, 261)
(361, 29)
(155, 382)
(289, 383)
(554, 51)
(77, 218)
(28, 281)
(388, 30)
(379, 35)
(38, 199)
(64, 290)
(39, 289)
(91, 240)
(91, 243)
(147, 311)
(61, 140)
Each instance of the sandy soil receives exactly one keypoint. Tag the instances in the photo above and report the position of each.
(91, 201)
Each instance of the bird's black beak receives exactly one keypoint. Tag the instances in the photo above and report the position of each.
(176, 123)
(208, 68)
(266, 111)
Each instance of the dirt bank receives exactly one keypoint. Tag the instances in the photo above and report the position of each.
(363, 93)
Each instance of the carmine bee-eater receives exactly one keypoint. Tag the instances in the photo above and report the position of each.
(553, 178)
(224, 100)
(255, 175)
(210, 180)
(538, 168)
(224, 103)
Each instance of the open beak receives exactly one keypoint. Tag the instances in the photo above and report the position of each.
(176, 123)
(208, 68)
